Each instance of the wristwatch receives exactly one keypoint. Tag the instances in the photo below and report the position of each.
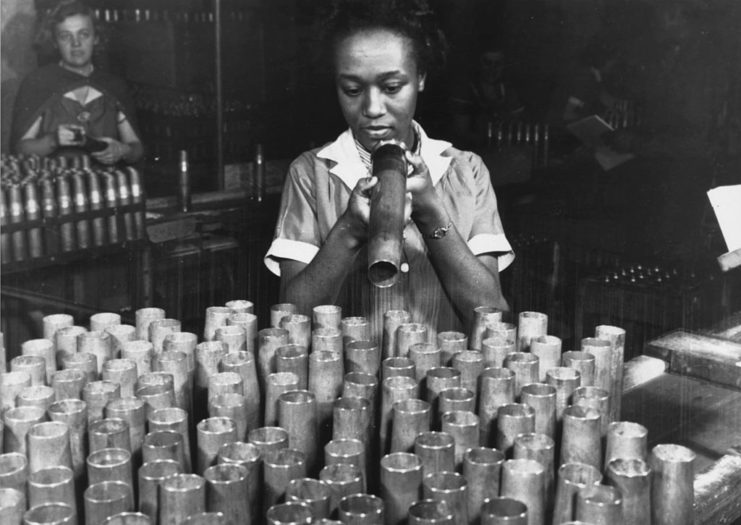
(439, 232)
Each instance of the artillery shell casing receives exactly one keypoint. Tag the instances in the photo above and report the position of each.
(106, 499)
(571, 478)
(277, 384)
(362, 356)
(401, 484)
(397, 366)
(526, 367)
(409, 417)
(141, 352)
(216, 316)
(436, 451)
(298, 327)
(111, 464)
(408, 334)
(244, 364)
(581, 438)
(482, 467)
(566, 380)
(233, 336)
(250, 458)
(268, 439)
(279, 468)
(248, 323)
(326, 339)
(600, 504)
(497, 388)
(342, 479)
(65, 341)
(326, 316)
(424, 356)
(482, 316)
(450, 488)
(393, 389)
(279, 311)
(150, 475)
(73, 413)
(504, 511)
(144, 317)
(14, 471)
(294, 359)
(626, 440)
(464, 427)
(17, 423)
(312, 492)
(351, 420)
(176, 419)
(33, 365)
(102, 320)
(164, 445)
(11, 384)
(362, 509)
(97, 394)
(542, 449)
(297, 413)
(542, 398)
(581, 361)
(227, 492)
(512, 420)
(616, 336)
(180, 496)
(53, 484)
(601, 349)
(530, 325)
(159, 329)
(392, 319)
(211, 434)
(290, 513)
(355, 328)
(632, 477)
(471, 364)
(123, 372)
(672, 486)
(109, 433)
(548, 350)
(45, 349)
(524, 480)
(597, 399)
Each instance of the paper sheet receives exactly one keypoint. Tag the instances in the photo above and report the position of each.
(726, 201)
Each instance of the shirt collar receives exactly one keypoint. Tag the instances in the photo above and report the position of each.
(350, 169)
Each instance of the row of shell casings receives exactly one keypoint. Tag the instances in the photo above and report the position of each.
(297, 397)
(63, 196)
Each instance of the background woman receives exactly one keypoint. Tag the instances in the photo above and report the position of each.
(61, 104)
(382, 53)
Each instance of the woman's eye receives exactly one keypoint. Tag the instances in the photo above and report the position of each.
(392, 88)
(351, 91)
(65, 37)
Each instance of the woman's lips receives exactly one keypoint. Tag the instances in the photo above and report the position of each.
(377, 132)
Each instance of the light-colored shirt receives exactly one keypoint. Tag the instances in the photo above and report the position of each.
(316, 193)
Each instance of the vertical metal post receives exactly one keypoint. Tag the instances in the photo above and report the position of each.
(219, 96)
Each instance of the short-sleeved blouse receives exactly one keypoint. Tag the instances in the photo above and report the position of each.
(316, 192)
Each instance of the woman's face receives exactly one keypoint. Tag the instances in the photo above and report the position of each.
(377, 83)
(75, 38)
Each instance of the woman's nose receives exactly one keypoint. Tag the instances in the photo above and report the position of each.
(373, 103)
(76, 41)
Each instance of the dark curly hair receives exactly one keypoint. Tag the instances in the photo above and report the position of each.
(45, 39)
(413, 19)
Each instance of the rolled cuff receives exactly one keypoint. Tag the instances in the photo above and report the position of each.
(288, 249)
(493, 243)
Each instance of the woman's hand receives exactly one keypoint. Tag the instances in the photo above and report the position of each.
(425, 203)
(70, 135)
(115, 151)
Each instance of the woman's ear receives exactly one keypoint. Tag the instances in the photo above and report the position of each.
(421, 82)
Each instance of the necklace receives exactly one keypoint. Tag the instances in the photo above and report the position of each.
(84, 115)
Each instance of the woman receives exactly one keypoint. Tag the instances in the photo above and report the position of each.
(382, 53)
(60, 106)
